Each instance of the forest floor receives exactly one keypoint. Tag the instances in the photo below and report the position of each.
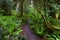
(29, 33)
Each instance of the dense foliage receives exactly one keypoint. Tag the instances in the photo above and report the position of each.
(42, 16)
(38, 25)
(11, 26)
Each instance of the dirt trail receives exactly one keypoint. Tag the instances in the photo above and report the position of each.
(29, 34)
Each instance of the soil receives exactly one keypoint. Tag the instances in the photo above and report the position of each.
(29, 33)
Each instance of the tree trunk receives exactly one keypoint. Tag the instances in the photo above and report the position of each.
(21, 7)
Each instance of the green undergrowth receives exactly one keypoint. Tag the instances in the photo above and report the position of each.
(15, 13)
(11, 26)
(37, 24)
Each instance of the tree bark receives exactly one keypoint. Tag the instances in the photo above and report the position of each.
(21, 7)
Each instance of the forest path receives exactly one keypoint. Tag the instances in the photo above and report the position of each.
(29, 34)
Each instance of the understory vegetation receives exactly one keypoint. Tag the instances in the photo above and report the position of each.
(47, 27)
(42, 16)
(9, 26)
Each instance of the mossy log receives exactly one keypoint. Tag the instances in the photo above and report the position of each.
(48, 25)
